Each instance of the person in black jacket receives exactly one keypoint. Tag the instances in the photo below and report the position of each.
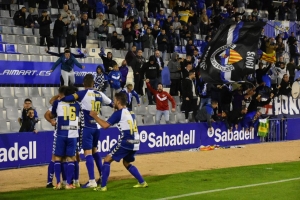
(128, 33)
(28, 124)
(31, 20)
(189, 96)
(20, 17)
(260, 72)
(285, 86)
(116, 41)
(43, 5)
(83, 30)
(136, 66)
(236, 116)
(44, 22)
(32, 4)
(121, 10)
(130, 55)
(162, 43)
(151, 71)
(108, 62)
(58, 32)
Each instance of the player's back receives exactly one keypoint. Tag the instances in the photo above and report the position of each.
(127, 126)
(91, 100)
(67, 116)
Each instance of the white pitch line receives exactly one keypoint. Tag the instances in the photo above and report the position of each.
(229, 188)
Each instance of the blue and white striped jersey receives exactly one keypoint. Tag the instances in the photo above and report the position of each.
(67, 115)
(91, 100)
(126, 124)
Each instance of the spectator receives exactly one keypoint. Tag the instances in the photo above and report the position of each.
(112, 7)
(281, 70)
(121, 11)
(281, 12)
(189, 96)
(100, 81)
(43, 5)
(161, 98)
(66, 14)
(84, 7)
(186, 67)
(291, 67)
(103, 31)
(26, 106)
(116, 41)
(291, 39)
(130, 93)
(98, 21)
(239, 97)
(83, 30)
(44, 22)
(294, 52)
(124, 72)
(20, 17)
(115, 79)
(257, 101)
(151, 71)
(101, 7)
(175, 74)
(206, 112)
(270, 46)
(148, 41)
(133, 12)
(190, 47)
(137, 40)
(162, 43)
(72, 32)
(285, 86)
(128, 36)
(58, 32)
(130, 21)
(28, 124)
(205, 90)
(161, 17)
(31, 20)
(67, 62)
(260, 72)
(140, 6)
(177, 26)
(130, 55)
(292, 13)
(280, 48)
(236, 116)
(137, 65)
(108, 62)
(251, 120)
(32, 5)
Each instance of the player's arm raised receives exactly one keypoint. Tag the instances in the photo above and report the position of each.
(106, 100)
(101, 122)
(70, 98)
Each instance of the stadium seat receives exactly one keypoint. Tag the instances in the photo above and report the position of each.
(20, 92)
(89, 60)
(14, 126)
(103, 44)
(177, 49)
(14, 7)
(2, 48)
(177, 100)
(119, 31)
(172, 118)
(98, 61)
(36, 58)
(24, 57)
(6, 29)
(33, 49)
(116, 53)
(21, 102)
(9, 102)
(23, 49)
(180, 118)
(152, 109)
(47, 58)
(4, 13)
(134, 102)
(13, 57)
(106, 111)
(11, 48)
(139, 120)
(43, 52)
(111, 29)
(183, 50)
(5, 92)
(40, 111)
(28, 31)
(46, 91)
(54, 12)
(31, 40)
(22, 40)
(17, 30)
(3, 56)
(45, 125)
(33, 92)
(3, 126)
(37, 102)
(141, 110)
(162, 120)
(2, 116)
(12, 113)
(148, 120)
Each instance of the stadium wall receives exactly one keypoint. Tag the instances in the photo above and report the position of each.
(29, 149)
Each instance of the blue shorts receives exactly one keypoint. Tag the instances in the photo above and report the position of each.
(90, 138)
(117, 153)
(63, 146)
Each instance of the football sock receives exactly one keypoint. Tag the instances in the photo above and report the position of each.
(89, 162)
(105, 173)
(135, 172)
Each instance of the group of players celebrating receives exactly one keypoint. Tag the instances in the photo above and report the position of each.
(77, 126)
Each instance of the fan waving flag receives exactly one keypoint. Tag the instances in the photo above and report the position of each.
(270, 58)
(232, 53)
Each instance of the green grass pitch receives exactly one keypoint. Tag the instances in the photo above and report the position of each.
(186, 183)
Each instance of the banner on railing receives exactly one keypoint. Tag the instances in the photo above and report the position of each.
(15, 72)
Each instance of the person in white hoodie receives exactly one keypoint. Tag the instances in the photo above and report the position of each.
(72, 32)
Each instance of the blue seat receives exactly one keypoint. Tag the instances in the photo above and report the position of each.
(183, 50)
(11, 48)
(2, 48)
(177, 49)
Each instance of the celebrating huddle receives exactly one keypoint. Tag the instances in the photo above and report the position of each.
(77, 126)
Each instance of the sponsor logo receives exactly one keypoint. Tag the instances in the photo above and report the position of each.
(16, 153)
(81, 73)
(228, 135)
(165, 140)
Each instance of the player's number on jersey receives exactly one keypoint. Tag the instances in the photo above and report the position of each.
(69, 113)
(96, 105)
(132, 126)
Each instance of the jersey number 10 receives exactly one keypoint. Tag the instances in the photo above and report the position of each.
(96, 106)
(69, 113)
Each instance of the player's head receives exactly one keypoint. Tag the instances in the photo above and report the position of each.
(30, 113)
(129, 87)
(71, 90)
(27, 103)
(214, 104)
(67, 54)
(61, 91)
(120, 100)
(88, 81)
(159, 87)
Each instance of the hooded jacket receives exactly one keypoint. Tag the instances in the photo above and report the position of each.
(174, 67)
(100, 80)
(114, 78)
(107, 62)
(151, 71)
